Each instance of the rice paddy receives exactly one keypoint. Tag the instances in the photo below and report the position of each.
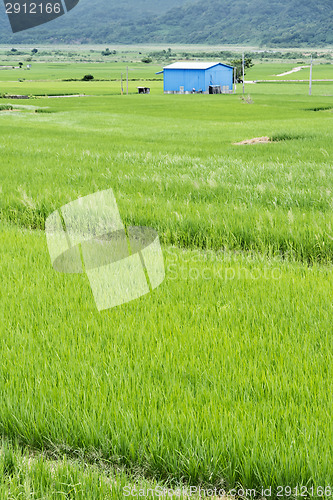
(221, 377)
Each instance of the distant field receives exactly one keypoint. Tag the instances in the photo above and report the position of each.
(270, 71)
(45, 78)
(221, 376)
(60, 71)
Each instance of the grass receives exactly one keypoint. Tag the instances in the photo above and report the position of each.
(181, 159)
(222, 375)
(35, 475)
(113, 382)
(6, 107)
(67, 70)
(270, 71)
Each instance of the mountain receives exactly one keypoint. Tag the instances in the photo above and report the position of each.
(286, 23)
(263, 22)
(91, 21)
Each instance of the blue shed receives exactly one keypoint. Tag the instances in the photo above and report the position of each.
(185, 77)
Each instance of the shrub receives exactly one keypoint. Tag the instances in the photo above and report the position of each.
(146, 59)
(87, 78)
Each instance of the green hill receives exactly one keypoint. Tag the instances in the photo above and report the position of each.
(95, 21)
(266, 22)
(261, 22)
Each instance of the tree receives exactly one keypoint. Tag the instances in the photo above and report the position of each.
(108, 52)
(20, 64)
(237, 63)
(146, 59)
(34, 51)
(87, 78)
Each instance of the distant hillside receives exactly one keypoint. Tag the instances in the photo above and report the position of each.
(94, 21)
(267, 22)
(260, 22)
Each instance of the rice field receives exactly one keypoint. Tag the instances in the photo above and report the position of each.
(222, 376)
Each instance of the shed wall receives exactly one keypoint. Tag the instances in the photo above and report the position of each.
(219, 75)
(188, 78)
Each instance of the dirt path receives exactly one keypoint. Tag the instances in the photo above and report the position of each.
(62, 96)
(294, 70)
(255, 140)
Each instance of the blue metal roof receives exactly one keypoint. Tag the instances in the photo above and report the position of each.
(194, 65)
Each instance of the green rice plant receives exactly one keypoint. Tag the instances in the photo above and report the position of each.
(321, 108)
(5, 107)
(43, 110)
(30, 474)
(8, 463)
(220, 376)
(272, 197)
(288, 136)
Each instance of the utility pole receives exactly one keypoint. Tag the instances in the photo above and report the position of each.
(121, 84)
(243, 68)
(127, 79)
(235, 80)
(310, 85)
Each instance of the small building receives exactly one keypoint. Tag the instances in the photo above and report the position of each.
(144, 90)
(203, 77)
